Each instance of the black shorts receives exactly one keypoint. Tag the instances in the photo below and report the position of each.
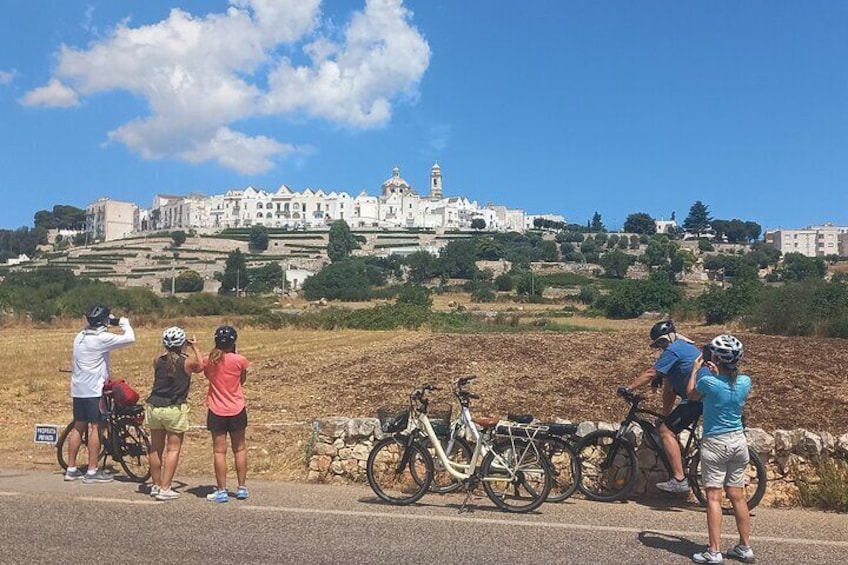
(683, 416)
(215, 423)
(89, 409)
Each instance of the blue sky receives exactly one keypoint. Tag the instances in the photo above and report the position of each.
(552, 106)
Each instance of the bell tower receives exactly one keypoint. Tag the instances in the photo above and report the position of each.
(436, 182)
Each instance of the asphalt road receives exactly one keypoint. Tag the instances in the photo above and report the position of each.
(45, 520)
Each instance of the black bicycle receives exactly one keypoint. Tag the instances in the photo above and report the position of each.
(610, 466)
(123, 439)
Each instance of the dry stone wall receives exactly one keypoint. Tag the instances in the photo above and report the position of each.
(340, 448)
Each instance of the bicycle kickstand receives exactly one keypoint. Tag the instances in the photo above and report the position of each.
(470, 484)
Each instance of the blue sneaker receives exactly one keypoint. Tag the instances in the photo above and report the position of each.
(242, 493)
(99, 476)
(218, 496)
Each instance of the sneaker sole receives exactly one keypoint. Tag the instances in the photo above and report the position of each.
(96, 481)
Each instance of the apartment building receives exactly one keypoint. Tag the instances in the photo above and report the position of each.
(109, 219)
(812, 241)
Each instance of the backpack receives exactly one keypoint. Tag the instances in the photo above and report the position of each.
(122, 393)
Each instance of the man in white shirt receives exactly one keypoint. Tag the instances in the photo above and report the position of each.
(90, 369)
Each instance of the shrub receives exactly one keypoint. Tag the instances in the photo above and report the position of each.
(704, 244)
(414, 294)
(503, 282)
(589, 294)
(178, 237)
(632, 298)
(483, 292)
(830, 490)
(344, 279)
(187, 281)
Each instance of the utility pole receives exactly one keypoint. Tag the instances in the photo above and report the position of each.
(238, 274)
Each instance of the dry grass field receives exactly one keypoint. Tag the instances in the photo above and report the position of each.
(300, 375)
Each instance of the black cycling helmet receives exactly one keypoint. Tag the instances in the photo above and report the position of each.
(661, 329)
(225, 336)
(97, 315)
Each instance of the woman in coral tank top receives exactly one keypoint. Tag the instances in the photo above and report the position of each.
(226, 371)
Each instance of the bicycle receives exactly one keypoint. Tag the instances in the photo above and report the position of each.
(514, 473)
(610, 465)
(556, 443)
(123, 439)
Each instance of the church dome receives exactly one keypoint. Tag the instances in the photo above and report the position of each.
(396, 184)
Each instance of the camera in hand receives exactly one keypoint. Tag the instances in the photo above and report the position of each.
(114, 320)
(707, 353)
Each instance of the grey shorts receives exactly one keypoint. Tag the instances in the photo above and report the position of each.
(724, 460)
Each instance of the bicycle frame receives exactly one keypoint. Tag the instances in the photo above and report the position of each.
(654, 443)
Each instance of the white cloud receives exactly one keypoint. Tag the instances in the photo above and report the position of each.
(6, 77)
(200, 75)
(53, 94)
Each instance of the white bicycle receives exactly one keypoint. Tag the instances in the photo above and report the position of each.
(514, 472)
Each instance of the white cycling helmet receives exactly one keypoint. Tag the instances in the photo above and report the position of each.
(726, 349)
(173, 337)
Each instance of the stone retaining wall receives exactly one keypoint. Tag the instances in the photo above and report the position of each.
(340, 448)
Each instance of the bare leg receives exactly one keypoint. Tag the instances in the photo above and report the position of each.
(672, 450)
(75, 441)
(240, 455)
(741, 512)
(172, 458)
(94, 429)
(714, 517)
(219, 449)
(157, 445)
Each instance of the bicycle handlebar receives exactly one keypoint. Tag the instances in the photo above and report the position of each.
(629, 396)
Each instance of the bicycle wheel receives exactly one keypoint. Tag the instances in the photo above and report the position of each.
(457, 451)
(397, 473)
(82, 456)
(132, 449)
(609, 466)
(565, 468)
(516, 475)
(755, 481)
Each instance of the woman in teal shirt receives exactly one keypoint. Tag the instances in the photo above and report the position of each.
(724, 448)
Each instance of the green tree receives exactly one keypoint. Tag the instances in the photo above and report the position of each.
(234, 278)
(698, 220)
(457, 259)
(264, 279)
(597, 225)
(528, 284)
(415, 294)
(798, 267)
(632, 298)
(258, 238)
(640, 223)
(503, 282)
(478, 224)
(616, 263)
(178, 237)
(754, 230)
(422, 266)
(186, 281)
(343, 280)
(488, 249)
(342, 241)
(62, 217)
(705, 244)
(736, 231)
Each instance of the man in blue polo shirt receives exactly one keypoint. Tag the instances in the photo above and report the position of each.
(673, 368)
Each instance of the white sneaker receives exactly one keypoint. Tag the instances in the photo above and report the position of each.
(154, 490)
(675, 486)
(708, 556)
(745, 554)
(167, 494)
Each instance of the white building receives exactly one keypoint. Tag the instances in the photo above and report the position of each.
(398, 206)
(665, 226)
(812, 241)
(109, 219)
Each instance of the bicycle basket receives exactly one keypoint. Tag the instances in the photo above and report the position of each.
(393, 418)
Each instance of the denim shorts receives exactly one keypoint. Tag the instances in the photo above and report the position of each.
(89, 409)
(724, 460)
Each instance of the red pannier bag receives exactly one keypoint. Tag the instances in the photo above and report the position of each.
(122, 393)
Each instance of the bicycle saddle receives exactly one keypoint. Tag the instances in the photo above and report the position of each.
(485, 421)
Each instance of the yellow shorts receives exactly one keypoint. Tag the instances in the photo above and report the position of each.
(169, 418)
